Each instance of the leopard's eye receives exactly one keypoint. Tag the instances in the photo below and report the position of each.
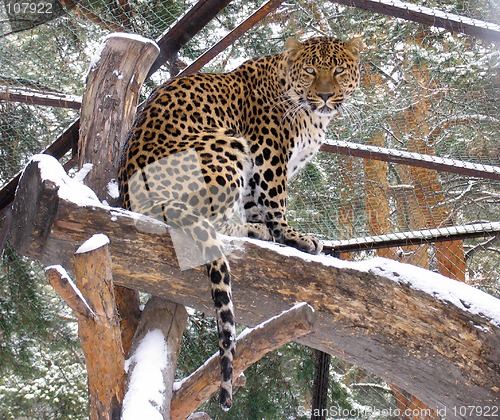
(339, 70)
(310, 70)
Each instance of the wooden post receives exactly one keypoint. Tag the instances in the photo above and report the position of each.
(320, 386)
(108, 108)
(109, 104)
(93, 303)
(169, 319)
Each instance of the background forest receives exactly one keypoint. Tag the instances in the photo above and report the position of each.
(424, 90)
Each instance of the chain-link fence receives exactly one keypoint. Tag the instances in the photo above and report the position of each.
(411, 172)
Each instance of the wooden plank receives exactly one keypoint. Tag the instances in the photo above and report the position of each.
(429, 16)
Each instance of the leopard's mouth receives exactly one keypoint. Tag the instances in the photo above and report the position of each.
(326, 110)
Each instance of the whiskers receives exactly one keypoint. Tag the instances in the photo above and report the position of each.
(350, 112)
(292, 107)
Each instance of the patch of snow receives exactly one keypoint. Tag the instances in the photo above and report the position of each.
(97, 54)
(144, 397)
(83, 172)
(247, 331)
(95, 242)
(465, 297)
(64, 274)
(112, 188)
(482, 328)
(69, 188)
(462, 295)
(177, 385)
(118, 74)
(96, 57)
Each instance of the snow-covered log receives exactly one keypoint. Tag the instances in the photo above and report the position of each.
(251, 345)
(434, 337)
(153, 358)
(92, 299)
(115, 76)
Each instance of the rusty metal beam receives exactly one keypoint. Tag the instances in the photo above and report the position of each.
(236, 33)
(429, 16)
(417, 237)
(188, 26)
(40, 98)
(413, 159)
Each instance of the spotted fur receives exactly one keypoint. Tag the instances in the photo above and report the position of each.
(209, 147)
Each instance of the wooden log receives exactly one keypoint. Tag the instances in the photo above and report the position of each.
(109, 104)
(251, 346)
(128, 305)
(170, 319)
(108, 109)
(436, 338)
(93, 302)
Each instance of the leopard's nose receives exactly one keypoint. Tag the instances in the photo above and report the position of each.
(325, 96)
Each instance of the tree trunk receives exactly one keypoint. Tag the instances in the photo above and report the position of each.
(169, 319)
(93, 302)
(109, 105)
(108, 109)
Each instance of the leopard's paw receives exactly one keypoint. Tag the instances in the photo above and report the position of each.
(306, 243)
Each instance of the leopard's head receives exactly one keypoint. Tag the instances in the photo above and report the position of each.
(322, 72)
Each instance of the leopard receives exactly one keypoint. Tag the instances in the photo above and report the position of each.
(211, 154)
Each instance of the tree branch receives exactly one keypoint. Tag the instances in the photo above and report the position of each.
(251, 346)
(62, 284)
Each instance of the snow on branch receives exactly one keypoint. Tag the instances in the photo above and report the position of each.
(251, 345)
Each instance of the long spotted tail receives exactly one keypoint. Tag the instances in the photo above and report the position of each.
(220, 277)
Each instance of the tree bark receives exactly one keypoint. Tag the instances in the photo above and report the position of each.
(98, 328)
(429, 346)
(108, 109)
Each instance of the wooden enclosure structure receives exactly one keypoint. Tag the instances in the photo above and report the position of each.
(431, 346)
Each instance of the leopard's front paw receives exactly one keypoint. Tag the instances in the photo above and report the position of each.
(306, 243)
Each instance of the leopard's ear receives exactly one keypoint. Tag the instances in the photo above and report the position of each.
(355, 46)
(292, 46)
